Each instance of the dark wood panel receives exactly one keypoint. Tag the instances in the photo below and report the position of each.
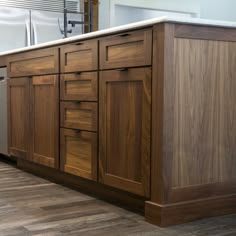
(79, 56)
(166, 215)
(205, 32)
(82, 86)
(18, 117)
(126, 49)
(38, 62)
(79, 153)
(82, 115)
(3, 61)
(124, 137)
(45, 120)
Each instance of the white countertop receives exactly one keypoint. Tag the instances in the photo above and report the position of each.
(140, 24)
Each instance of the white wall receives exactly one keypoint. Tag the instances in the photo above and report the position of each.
(107, 8)
(218, 9)
(210, 9)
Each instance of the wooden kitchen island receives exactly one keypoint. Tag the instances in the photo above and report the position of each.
(143, 114)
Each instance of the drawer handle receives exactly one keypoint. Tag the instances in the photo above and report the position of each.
(77, 131)
(122, 69)
(79, 43)
(78, 73)
(123, 35)
(78, 102)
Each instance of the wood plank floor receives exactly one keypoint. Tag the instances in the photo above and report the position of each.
(30, 205)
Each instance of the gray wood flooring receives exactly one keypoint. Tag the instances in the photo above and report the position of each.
(30, 205)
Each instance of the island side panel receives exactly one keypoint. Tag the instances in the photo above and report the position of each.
(194, 151)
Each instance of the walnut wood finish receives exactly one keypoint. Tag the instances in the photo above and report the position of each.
(128, 49)
(79, 153)
(38, 62)
(45, 120)
(124, 130)
(79, 115)
(3, 61)
(18, 117)
(82, 86)
(79, 56)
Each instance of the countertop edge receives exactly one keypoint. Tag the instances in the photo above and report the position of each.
(132, 26)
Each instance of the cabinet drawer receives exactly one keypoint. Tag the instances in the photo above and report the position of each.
(39, 62)
(126, 49)
(81, 56)
(79, 153)
(82, 87)
(82, 116)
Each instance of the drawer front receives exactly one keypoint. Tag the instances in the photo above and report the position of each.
(79, 153)
(39, 62)
(126, 50)
(82, 56)
(82, 87)
(82, 116)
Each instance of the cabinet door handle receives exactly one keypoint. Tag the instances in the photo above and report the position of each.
(123, 35)
(122, 69)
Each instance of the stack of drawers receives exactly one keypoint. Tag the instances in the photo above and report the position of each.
(78, 109)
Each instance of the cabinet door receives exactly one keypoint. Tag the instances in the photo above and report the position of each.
(79, 153)
(18, 117)
(45, 120)
(124, 129)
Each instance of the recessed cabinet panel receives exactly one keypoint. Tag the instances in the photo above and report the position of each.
(18, 117)
(82, 86)
(82, 115)
(80, 56)
(39, 62)
(79, 153)
(126, 50)
(124, 137)
(45, 120)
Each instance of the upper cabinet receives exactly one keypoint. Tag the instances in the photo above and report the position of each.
(40, 62)
(130, 49)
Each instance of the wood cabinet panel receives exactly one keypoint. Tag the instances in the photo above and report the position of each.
(124, 124)
(45, 120)
(78, 151)
(18, 117)
(126, 50)
(39, 62)
(80, 56)
(82, 86)
(82, 115)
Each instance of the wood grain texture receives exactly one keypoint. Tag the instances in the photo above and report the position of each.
(79, 153)
(205, 32)
(182, 212)
(3, 61)
(124, 116)
(205, 108)
(79, 56)
(82, 115)
(40, 62)
(45, 120)
(18, 117)
(82, 87)
(128, 49)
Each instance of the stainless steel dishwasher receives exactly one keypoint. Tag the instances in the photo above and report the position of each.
(3, 112)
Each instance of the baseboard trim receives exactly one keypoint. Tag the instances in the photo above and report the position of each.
(178, 213)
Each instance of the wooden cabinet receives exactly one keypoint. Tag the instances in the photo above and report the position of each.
(18, 117)
(79, 56)
(79, 115)
(39, 62)
(128, 49)
(45, 120)
(79, 86)
(124, 129)
(79, 153)
(33, 106)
